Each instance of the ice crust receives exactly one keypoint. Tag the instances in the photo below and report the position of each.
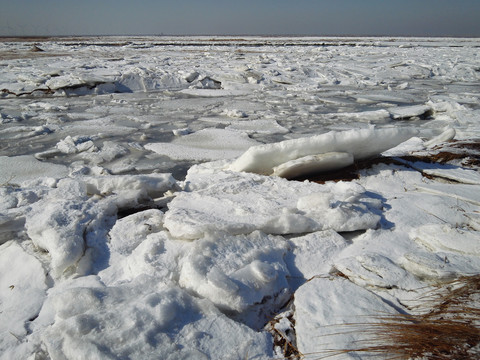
(105, 254)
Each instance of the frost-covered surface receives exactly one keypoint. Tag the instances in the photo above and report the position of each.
(139, 218)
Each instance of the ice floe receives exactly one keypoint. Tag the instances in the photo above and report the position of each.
(360, 144)
(207, 144)
(239, 203)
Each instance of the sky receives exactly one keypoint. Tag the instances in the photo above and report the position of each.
(240, 17)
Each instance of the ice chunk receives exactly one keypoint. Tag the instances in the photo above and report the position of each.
(313, 254)
(376, 270)
(313, 164)
(324, 307)
(445, 136)
(468, 193)
(206, 144)
(156, 255)
(361, 144)
(76, 144)
(240, 203)
(444, 237)
(407, 112)
(57, 226)
(23, 290)
(129, 232)
(426, 265)
(236, 272)
(235, 113)
(257, 127)
(154, 321)
(455, 173)
(17, 169)
(154, 185)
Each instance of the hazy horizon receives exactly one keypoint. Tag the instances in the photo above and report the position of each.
(428, 18)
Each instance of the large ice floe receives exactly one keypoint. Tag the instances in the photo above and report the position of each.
(319, 153)
(148, 208)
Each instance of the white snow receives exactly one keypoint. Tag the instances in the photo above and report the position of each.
(113, 245)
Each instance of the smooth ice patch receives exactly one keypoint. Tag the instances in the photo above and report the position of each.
(17, 169)
(314, 254)
(438, 237)
(324, 307)
(206, 144)
(468, 193)
(23, 290)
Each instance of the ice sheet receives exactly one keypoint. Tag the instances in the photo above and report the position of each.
(207, 144)
(98, 261)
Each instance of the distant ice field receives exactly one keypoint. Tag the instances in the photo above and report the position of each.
(123, 97)
(148, 211)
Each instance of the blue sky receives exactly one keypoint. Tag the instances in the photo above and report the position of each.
(274, 17)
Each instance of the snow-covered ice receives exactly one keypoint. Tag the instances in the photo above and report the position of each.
(145, 206)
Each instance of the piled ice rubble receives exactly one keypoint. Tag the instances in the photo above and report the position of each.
(201, 278)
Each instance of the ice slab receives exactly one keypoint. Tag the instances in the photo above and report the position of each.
(17, 169)
(314, 254)
(206, 144)
(153, 185)
(468, 193)
(438, 237)
(361, 144)
(313, 164)
(237, 272)
(376, 270)
(239, 203)
(407, 112)
(323, 309)
(258, 127)
(159, 321)
(23, 290)
(450, 172)
(56, 226)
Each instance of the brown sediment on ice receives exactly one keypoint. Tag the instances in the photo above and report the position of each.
(463, 153)
(447, 327)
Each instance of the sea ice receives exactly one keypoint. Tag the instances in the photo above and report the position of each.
(237, 272)
(324, 307)
(314, 254)
(312, 164)
(239, 203)
(407, 112)
(361, 144)
(207, 144)
(17, 169)
(158, 321)
(23, 291)
(437, 237)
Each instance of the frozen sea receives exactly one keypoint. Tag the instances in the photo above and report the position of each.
(146, 210)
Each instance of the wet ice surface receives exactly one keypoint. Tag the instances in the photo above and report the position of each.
(106, 255)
